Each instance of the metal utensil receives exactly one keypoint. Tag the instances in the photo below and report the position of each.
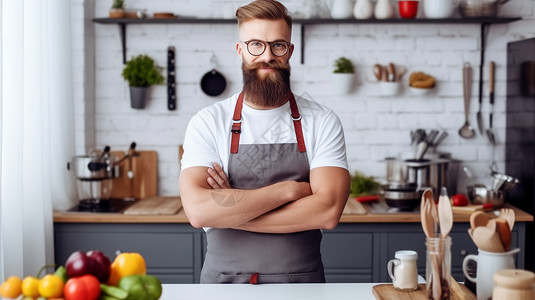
(421, 148)
(445, 213)
(490, 132)
(479, 115)
(440, 138)
(378, 71)
(466, 131)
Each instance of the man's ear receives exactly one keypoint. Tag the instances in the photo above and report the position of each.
(239, 49)
(290, 51)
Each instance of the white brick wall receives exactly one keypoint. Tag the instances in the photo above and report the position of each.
(375, 126)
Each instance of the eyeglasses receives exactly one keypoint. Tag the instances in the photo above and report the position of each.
(257, 48)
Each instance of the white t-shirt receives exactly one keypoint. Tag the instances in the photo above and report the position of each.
(208, 135)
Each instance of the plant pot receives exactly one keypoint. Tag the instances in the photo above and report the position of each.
(116, 13)
(138, 96)
(343, 83)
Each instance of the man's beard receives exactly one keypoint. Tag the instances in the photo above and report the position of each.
(266, 90)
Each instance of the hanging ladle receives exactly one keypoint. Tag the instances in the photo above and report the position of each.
(466, 130)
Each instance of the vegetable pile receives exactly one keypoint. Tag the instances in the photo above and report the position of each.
(88, 276)
(362, 185)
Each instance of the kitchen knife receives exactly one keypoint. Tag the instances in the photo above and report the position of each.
(479, 116)
(490, 132)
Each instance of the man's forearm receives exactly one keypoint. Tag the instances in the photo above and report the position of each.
(303, 214)
(226, 208)
(322, 210)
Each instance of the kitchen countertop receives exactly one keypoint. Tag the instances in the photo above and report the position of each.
(310, 291)
(353, 213)
(327, 291)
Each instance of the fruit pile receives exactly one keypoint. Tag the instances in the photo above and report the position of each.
(89, 276)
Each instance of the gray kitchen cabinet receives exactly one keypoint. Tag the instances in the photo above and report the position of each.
(352, 252)
(172, 251)
(359, 252)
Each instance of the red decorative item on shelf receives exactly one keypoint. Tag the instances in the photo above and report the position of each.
(408, 9)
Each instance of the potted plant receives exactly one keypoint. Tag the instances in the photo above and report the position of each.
(343, 76)
(117, 9)
(141, 73)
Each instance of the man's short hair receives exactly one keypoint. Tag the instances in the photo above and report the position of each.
(263, 9)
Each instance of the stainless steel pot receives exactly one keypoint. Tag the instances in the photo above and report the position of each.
(480, 194)
(95, 167)
(404, 199)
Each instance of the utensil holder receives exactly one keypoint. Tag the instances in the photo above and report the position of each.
(438, 268)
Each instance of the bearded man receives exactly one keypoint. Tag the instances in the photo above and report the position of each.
(264, 171)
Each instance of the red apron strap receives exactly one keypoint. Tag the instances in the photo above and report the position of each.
(236, 125)
(296, 117)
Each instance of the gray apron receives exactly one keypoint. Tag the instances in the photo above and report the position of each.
(238, 256)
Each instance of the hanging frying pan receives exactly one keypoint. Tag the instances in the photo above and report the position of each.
(213, 83)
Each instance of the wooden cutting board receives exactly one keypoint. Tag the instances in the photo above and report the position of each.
(353, 207)
(155, 206)
(469, 209)
(388, 292)
(144, 183)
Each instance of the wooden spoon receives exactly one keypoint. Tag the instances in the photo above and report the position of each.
(378, 71)
(486, 239)
(509, 215)
(478, 218)
(445, 213)
(502, 227)
(425, 214)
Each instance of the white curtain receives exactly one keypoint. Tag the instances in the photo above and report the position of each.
(36, 130)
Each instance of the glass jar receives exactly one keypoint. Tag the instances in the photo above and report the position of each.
(438, 267)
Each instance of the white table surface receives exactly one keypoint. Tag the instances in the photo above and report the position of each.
(325, 291)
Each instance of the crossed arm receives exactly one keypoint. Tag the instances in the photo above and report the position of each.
(287, 206)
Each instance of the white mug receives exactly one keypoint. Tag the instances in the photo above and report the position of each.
(438, 9)
(403, 270)
(488, 263)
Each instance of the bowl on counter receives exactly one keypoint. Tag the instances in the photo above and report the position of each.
(402, 197)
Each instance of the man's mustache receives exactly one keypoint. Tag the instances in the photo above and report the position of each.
(272, 65)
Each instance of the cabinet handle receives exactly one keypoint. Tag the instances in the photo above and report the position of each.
(464, 252)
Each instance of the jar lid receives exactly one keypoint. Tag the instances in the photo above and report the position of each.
(406, 254)
(514, 278)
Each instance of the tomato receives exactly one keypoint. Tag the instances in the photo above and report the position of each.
(11, 288)
(51, 286)
(460, 200)
(85, 287)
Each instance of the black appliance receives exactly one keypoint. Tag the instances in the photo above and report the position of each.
(520, 133)
(112, 205)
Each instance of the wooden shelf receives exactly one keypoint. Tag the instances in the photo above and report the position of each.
(484, 23)
(190, 20)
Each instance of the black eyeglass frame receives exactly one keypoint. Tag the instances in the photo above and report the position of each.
(269, 44)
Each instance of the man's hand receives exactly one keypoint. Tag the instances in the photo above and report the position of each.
(217, 179)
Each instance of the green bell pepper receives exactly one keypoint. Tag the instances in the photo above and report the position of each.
(141, 287)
